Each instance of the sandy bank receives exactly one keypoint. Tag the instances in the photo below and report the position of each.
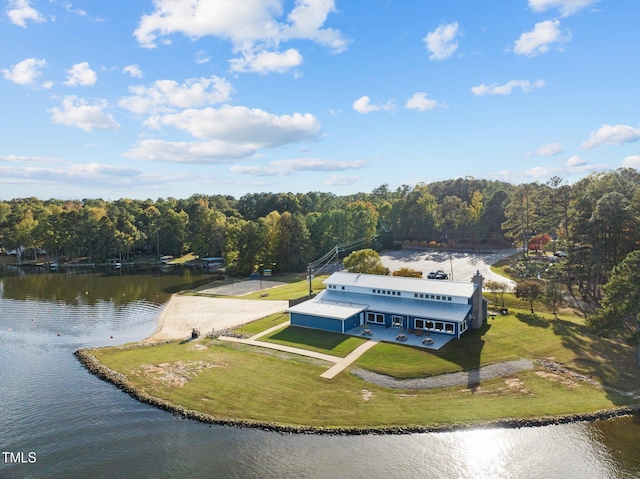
(183, 313)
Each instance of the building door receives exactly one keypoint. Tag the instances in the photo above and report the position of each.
(396, 321)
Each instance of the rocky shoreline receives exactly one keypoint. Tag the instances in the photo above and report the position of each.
(91, 363)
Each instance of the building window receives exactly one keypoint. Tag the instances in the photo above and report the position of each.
(421, 295)
(343, 288)
(449, 298)
(398, 293)
(428, 324)
(375, 318)
(415, 295)
(437, 297)
(439, 326)
(448, 327)
(419, 323)
(433, 297)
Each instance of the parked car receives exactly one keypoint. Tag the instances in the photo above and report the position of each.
(440, 274)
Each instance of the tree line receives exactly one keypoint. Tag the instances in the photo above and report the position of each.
(594, 220)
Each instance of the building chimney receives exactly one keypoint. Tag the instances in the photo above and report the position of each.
(478, 312)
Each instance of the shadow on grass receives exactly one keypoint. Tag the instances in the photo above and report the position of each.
(310, 337)
(467, 353)
(610, 361)
(532, 319)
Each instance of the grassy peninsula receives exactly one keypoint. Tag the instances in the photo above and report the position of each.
(236, 382)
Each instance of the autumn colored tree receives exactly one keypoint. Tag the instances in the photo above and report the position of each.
(408, 273)
(365, 261)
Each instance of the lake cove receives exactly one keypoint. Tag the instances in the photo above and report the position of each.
(81, 426)
(215, 381)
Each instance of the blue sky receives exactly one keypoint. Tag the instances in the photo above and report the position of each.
(168, 98)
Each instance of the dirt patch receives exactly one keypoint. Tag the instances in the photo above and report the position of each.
(565, 381)
(366, 395)
(175, 374)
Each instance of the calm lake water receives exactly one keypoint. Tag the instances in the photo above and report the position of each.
(77, 426)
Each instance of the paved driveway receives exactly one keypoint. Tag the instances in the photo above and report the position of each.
(463, 265)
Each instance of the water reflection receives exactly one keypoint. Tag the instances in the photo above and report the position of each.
(83, 427)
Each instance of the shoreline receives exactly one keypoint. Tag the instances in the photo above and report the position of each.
(95, 367)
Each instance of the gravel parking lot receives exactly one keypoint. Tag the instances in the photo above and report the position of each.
(459, 265)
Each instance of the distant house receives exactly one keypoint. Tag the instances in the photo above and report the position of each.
(413, 304)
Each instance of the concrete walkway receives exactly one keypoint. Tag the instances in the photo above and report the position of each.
(286, 349)
(343, 363)
(270, 330)
(340, 364)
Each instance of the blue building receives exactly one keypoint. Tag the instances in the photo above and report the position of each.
(416, 305)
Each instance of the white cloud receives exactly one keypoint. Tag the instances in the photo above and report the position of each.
(287, 167)
(441, 42)
(574, 166)
(550, 149)
(252, 26)
(96, 173)
(315, 164)
(575, 162)
(632, 162)
(25, 72)
(81, 74)
(202, 57)
(164, 96)
(566, 7)
(612, 135)
(20, 11)
(266, 62)
(506, 89)
(419, 101)
(363, 105)
(259, 170)
(29, 159)
(339, 180)
(207, 152)
(537, 41)
(76, 112)
(239, 124)
(306, 21)
(229, 133)
(133, 71)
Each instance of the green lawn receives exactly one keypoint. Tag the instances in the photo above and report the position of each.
(232, 381)
(288, 291)
(314, 340)
(236, 381)
(263, 324)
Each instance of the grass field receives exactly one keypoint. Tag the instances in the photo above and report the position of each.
(235, 381)
(231, 381)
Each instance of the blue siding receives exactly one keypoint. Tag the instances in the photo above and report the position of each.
(307, 321)
(352, 322)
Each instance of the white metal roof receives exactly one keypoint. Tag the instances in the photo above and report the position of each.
(414, 308)
(318, 306)
(341, 305)
(400, 283)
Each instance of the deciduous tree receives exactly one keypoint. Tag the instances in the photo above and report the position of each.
(529, 291)
(365, 261)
